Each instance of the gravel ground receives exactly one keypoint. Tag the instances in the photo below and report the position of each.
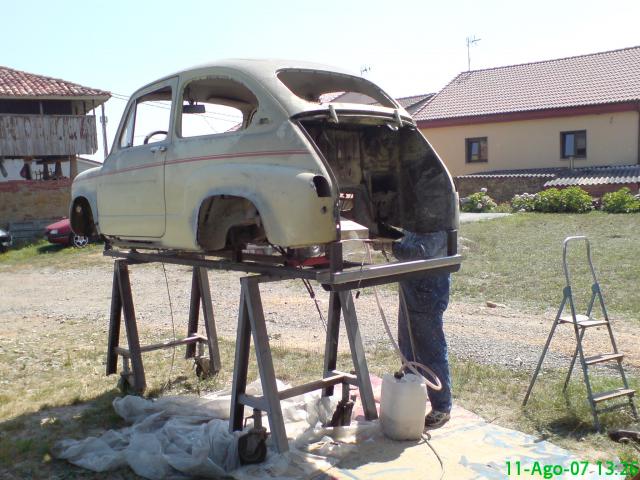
(499, 336)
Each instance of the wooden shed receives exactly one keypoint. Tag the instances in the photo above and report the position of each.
(46, 121)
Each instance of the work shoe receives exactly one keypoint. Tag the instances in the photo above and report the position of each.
(436, 419)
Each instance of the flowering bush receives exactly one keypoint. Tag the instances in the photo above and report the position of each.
(524, 203)
(552, 200)
(621, 201)
(478, 202)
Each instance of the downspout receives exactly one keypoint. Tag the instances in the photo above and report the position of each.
(638, 107)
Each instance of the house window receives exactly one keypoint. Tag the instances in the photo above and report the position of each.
(477, 150)
(574, 144)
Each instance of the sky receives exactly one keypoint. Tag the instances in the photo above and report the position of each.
(408, 46)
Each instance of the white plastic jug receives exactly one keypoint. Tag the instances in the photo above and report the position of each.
(403, 406)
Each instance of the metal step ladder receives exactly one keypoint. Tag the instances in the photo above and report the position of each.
(580, 325)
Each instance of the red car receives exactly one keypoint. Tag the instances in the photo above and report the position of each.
(60, 232)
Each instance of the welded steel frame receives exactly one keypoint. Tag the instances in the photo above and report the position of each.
(340, 278)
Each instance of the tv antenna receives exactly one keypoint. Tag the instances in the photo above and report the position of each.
(364, 69)
(471, 41)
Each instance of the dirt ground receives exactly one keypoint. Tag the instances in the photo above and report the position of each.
(80, 291)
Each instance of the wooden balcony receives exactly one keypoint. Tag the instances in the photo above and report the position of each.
(40, 135)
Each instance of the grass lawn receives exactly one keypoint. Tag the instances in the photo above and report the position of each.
(517, 260)
(44, 254)
(53, 383)
(56, 389)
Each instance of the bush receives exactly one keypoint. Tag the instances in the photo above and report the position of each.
(478, 202)
(549, 201)
(552, 200)
(621, 201)
(523, 203)
(576, 200)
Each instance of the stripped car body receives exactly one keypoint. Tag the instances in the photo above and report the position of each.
(295, 166)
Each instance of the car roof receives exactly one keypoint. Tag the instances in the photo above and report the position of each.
(265, 73)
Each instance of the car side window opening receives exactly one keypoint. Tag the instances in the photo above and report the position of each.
(574, 144)
(212, 106)
(148, 121)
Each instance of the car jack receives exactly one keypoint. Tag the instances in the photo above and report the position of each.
(342, 415)
(252, 447)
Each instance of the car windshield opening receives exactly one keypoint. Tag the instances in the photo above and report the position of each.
(319, 86)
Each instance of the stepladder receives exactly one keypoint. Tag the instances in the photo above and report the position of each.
(133, 378)
(596, 315)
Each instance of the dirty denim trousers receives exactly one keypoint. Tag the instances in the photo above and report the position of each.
(426, 298)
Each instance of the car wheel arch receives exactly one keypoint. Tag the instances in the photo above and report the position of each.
(82, 217)
(218, 213)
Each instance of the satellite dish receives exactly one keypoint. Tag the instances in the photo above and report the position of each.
(3, 170)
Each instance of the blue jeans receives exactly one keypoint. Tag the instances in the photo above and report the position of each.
(426, 298)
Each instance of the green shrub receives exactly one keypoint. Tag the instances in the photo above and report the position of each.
(523, 203)
(504, 207)
(478, 202)
(621, 201)
(549, 201)
(552, 200)
(576, 200)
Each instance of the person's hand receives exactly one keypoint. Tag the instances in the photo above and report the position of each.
(379, 244)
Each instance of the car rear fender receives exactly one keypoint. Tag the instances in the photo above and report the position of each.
(294, 208)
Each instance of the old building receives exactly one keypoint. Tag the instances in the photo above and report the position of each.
(45, 124)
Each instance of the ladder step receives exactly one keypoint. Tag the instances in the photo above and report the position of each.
(603, 357)
(618, 392)
(612, 408)
(583, 321)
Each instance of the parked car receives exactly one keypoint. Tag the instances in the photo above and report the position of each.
(5, 240)
(60, 233)
(310, 146)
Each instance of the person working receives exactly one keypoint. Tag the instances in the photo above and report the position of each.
(426, 299)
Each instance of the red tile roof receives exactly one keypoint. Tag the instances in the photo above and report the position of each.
(15, 83)
(594, 79)
(414, 102)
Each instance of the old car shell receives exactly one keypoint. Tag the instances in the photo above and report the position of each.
(272, 163)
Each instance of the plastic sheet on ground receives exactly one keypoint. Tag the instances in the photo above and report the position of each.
(182, 437)
(185, 437)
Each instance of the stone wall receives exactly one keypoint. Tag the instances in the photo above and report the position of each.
(501, 189)
(24, 200)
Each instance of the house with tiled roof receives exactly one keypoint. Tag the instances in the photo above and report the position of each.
(414, 103)
(45, 124)
(411, 103)
(563, 117)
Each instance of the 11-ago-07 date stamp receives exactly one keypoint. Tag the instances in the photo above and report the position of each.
(575, 469)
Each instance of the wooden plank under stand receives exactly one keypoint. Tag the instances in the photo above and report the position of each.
(339, 279)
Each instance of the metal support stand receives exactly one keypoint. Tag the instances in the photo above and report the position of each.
(251, 324)
(133, 376)
(340, 279)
